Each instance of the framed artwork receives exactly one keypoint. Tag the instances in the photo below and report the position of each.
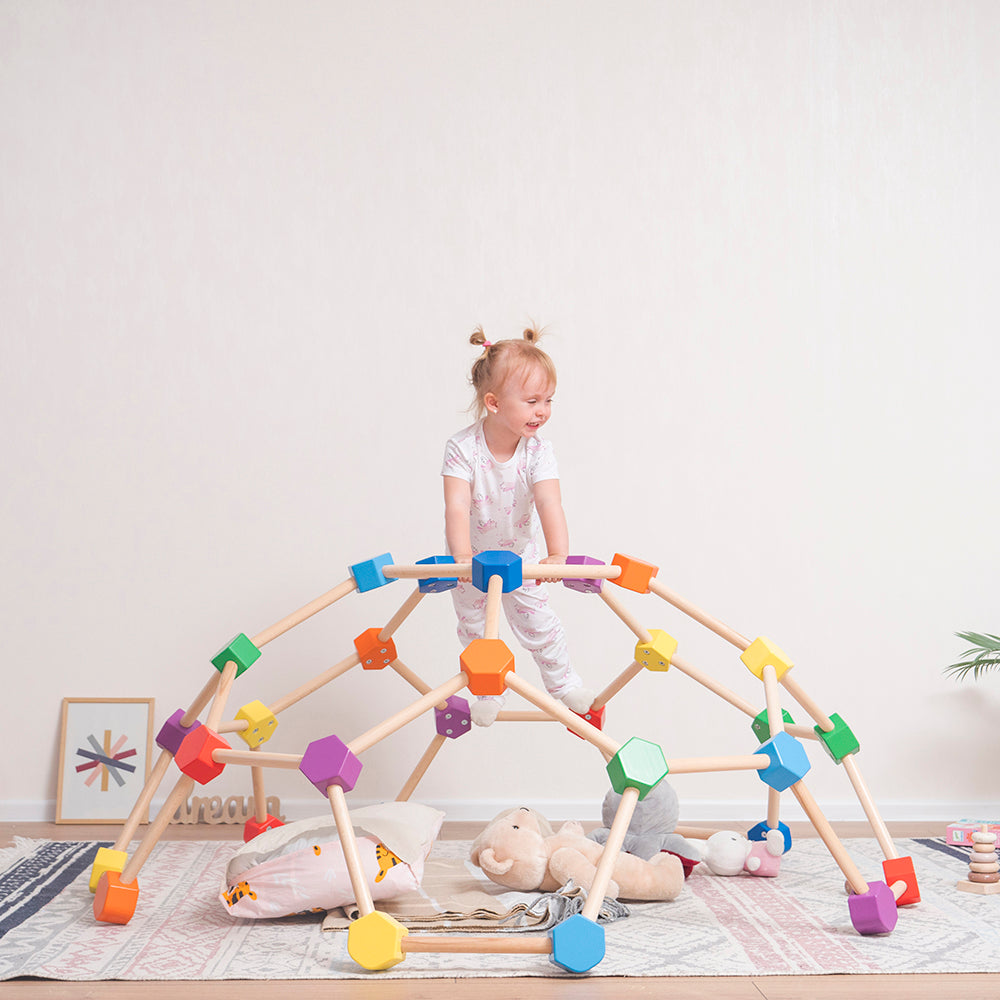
(104, 753)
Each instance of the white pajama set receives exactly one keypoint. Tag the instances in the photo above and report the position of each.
(503, 517)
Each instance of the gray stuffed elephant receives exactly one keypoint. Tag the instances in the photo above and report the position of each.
(652, 825)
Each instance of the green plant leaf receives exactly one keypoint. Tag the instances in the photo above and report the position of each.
(982, 657)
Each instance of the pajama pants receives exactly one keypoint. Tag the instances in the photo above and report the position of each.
(534, 624)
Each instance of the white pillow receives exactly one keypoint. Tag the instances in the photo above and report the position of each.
(300, 866)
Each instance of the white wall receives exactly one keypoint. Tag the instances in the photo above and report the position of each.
(243, 246)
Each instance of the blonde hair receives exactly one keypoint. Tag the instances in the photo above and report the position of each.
(504, 359)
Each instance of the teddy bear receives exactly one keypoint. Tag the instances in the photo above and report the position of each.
(519, 850)
(651, 828)
(727, 853)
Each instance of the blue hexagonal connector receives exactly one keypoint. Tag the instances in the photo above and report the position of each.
(506, 565)
(368, 574)
(577, 944)
(437, 584)
(789, 761)
(759, 832)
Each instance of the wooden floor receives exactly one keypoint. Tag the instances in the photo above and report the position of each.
(902, 987)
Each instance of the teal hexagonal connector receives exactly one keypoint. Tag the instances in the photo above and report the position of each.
(638, 764)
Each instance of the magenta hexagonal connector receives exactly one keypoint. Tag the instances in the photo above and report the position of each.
(171, 736)
(582, 584)
(454, 719)
(329, 761)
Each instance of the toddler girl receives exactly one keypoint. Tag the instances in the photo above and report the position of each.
(500, 486)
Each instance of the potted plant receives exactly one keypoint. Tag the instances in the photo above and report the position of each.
(984, 655)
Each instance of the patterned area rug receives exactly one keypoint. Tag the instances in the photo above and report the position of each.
(797, 924)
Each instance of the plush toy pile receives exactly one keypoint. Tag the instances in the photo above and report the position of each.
(651, 829)
(520, 850)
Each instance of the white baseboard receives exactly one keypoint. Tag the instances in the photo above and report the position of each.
(693, 811)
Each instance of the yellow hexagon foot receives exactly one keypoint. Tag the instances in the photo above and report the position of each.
(375, 941)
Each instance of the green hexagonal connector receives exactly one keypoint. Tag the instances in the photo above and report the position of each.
(241, 651)
(638, 764)
(840, 741)
(761, 728)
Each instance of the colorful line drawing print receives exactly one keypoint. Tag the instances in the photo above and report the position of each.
(106, 760)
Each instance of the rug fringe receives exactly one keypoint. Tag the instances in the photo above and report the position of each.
(23, 847)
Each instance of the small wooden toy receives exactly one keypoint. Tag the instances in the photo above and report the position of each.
(984, 867)
(487, 666)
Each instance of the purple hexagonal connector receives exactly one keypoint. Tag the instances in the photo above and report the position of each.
(171, 736)
(873, 912)
(584, 586)
(455, 719)
(329, 761)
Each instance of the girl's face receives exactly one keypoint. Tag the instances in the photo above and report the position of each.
(523, 404)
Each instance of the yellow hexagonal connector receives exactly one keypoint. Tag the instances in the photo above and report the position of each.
(375, 941)
(658, 652)
(760, 653)
(260, 721)
(106, 860)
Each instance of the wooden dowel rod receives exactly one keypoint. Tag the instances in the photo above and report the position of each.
(235, 726)
(529, 571)
(822, 826)
(156, 775)
(617, 684)
(474, 944)
(395, 722)
(791, 685)
(558, 711)
(494, 595)
(562, 571)
(414, 680)
(612, 849)
(518, 716)
(221, 695)
(204, 697)
(773, 808)
(898, 888)
(641, 632)
(307, 611)
(715, 687)
(878, 826)
(802, 732)
(412, 571)
(404, 612)
(259, 794)
(177, 797)
(695, 832)
(349, 845)
(775, 722)
(698, 765)
(713, 624)
(420, 770)
(310, 687)
(257, 758)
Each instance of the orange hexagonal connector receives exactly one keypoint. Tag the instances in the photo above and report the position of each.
(635, 574)
(374, 653)
(487, 662)
(114, 900)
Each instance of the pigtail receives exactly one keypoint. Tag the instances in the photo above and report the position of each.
(499, 359)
